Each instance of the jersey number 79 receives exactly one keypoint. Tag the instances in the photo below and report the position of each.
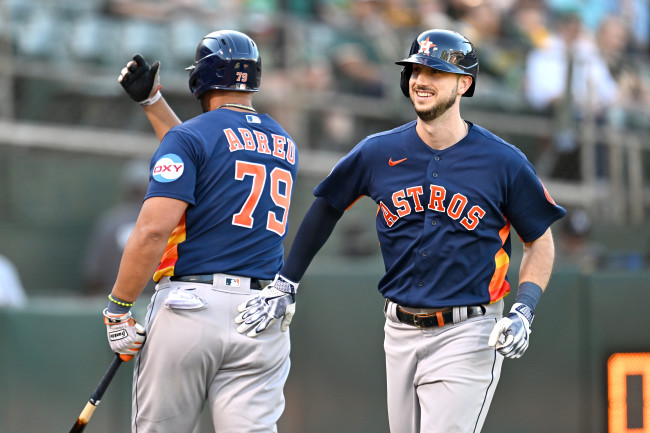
(278, 176)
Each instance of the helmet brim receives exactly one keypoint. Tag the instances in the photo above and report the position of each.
(433, 63)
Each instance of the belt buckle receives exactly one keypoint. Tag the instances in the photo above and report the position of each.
(416, 323)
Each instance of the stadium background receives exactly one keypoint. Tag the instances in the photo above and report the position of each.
(67, 133)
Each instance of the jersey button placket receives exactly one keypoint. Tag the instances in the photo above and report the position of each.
(434, 174)
(435, 166)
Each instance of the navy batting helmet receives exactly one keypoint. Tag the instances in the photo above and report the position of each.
(443, 50)
(227, 60)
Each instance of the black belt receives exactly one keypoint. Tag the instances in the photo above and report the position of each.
(438, 318)
(256, 284)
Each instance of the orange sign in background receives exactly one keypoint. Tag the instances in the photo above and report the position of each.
(626, 413)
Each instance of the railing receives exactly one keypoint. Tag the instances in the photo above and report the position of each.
(621, 197)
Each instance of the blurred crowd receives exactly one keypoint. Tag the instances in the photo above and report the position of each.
(350, 46)
(570, 61)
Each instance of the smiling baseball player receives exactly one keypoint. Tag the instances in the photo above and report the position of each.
(448, 193)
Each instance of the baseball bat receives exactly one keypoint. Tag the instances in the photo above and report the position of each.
(96, 396)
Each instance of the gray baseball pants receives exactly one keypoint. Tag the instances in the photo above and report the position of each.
(194, 355)
(441, 379)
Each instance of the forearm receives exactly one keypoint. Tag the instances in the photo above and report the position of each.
(510, 335)
(537, 260)
(146, 245)
(315, 229)
(140, 259)
(161, 116)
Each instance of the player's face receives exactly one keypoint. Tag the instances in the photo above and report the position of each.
(433, 92)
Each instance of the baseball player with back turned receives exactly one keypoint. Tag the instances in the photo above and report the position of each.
(210, 232)
(448, 192)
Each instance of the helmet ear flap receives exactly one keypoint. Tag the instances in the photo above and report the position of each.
(407, 70)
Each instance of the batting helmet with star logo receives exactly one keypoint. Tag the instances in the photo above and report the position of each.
(443, 50)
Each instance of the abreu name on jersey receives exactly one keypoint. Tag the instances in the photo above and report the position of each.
(276, 145)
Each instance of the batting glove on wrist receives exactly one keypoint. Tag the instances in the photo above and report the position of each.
(275, 301)
(141, 81)
(510, 334)
(125, 336)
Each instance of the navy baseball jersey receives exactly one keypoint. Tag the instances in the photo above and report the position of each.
(444, 217)
(236, 171)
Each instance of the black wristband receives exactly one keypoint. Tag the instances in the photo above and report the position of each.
(529, 294)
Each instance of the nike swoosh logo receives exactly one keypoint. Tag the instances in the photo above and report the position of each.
(393, 163)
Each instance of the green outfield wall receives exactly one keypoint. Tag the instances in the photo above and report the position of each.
(54, 352)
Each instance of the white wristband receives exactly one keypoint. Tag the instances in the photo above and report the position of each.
(156, 96)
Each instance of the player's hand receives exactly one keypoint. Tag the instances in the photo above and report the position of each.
(125, 336)
(141, 81)
(275, 301)
(510, 335)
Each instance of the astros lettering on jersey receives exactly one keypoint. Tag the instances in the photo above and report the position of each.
(436, 206)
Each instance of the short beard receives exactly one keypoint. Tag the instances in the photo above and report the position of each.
(439, 109)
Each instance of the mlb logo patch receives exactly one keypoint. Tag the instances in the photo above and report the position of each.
(252, 119)
(232, 282)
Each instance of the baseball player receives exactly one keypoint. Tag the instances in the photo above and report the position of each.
(448, 192)
(210, 232)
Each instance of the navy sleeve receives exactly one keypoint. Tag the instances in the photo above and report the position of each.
(530, 208)
(174, 168)
(315, 229)
(347, 181)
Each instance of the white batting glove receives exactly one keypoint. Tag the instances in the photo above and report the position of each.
(510, 334)
(141, 81)
(275, 301)
(125, 336)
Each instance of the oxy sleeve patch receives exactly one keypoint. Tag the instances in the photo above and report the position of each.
(168, 168)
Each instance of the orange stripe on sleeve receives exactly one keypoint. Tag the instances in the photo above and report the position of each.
(499, 287)
(170, 256)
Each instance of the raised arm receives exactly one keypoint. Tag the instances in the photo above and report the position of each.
(141, 82)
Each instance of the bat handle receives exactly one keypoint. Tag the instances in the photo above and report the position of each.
(98, 393)
(83, 419)
(96, 396)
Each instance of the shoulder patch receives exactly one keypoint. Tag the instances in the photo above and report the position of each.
(168, 168)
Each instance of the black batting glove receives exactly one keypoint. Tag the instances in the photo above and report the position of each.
(141, 81)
